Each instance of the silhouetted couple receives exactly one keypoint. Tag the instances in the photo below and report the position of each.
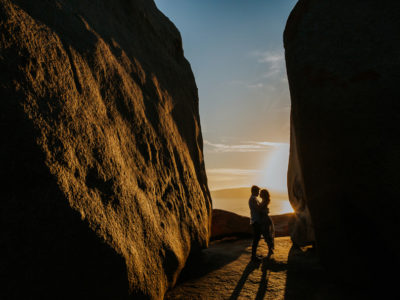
(260, 220)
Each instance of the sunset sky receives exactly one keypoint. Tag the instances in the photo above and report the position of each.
(236, 52)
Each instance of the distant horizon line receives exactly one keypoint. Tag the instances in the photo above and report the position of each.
(246, 187)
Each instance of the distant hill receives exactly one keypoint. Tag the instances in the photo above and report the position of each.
(243, 192)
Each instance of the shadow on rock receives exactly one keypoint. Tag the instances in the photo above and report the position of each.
(268, 265)
(307, 279)
(251, 266)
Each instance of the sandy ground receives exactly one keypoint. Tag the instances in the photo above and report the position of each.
(224, 271)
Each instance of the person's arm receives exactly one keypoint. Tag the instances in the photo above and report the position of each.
(254, 204)
(263, 204)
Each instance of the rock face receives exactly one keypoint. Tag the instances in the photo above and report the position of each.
(343, 66)
(225, 224)
(104, 191)
(302, 232)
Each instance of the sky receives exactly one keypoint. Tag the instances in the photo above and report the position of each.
(235, 48)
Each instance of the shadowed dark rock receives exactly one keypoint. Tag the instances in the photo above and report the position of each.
(229, 224)
(104, 191)
(343, 67)
(225, 224)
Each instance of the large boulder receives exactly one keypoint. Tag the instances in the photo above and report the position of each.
(228, 224)
(343, 66)
(104, 191)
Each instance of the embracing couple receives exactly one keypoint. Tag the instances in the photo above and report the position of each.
(260, 220)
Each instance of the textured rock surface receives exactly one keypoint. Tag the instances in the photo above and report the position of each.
(343, 66)
(104, 191)
(228, 224)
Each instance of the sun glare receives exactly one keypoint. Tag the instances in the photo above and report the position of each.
(286, 207)
(276, 164)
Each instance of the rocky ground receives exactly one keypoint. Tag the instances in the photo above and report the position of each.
(225, 271)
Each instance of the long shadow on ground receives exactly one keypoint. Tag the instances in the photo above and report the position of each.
(266, 264)
(247, 271)
(212, 258)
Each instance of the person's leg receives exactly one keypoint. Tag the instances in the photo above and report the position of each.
(270, 243)
(256, 239)
(272, 233)
(269, 234)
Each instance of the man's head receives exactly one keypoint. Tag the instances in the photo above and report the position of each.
(255, 190)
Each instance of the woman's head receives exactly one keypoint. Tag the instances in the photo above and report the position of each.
(264, 194)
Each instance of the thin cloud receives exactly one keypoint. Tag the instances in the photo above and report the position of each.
(246, 84)
(255, 86)
(275, 62)
(242, 147)
(273, 144)
(270, 57)
(237, 172)
(273, 58)
(275, 70)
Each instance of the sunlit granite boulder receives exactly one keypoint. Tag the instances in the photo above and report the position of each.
(343, 67)
(104, 191)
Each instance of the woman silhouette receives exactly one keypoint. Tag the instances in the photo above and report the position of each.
(267, 226)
